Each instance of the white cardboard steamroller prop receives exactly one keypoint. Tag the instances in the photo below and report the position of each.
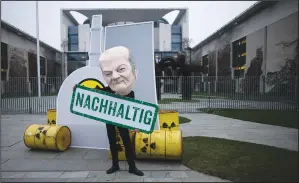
(77, 95)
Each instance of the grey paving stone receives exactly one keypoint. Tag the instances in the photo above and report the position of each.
(17, 146)
(33, 180)
(57, 165)
(193, 174)
(22, 165)
(202, 179)
(12, 174)
(3, 160)
(97, 154)
(129, 179)
(43, 174)
(162, 180)
(72, 153)
(101, 176)
(82, 180)
(222, 127)
(178, 174)
(103, 165)
(106, 178)
(159, 174)
(9, 141)
(28, 154)
(76, 174)
(95, 174)
(160, 165)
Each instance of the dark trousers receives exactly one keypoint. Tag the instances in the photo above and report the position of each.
(124, 134)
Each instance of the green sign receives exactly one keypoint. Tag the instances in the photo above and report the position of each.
(114, 109)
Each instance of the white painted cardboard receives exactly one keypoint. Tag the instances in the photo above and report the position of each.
(88, 133)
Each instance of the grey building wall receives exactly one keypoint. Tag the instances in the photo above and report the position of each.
(184, 22)
(268, 16)
(18, 48)
(265, 55)
(20, 65)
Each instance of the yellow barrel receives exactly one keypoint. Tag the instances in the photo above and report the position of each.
(121, 153)
(161, 144)
(51, 116)
(47, 137)
(174, 148)
(169, 119)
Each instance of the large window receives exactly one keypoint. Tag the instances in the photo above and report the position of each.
(73, 47)
(176, 46)
(73, 38)
(73, 30)
(176, 38)
(33, 67)
(4, 61)
(239, 57)
(77, 56)
(43, 66)
(239, 52)
(168, 54)
(176, 29)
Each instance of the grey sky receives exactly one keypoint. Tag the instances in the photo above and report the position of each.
(205, 17)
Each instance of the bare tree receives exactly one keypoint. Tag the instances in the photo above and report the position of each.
(186, 42)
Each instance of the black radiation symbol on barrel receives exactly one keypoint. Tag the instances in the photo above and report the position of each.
(145, 147)
(51, 122)
(40, 131)
(165, 125)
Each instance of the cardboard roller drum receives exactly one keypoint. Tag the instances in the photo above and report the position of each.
(161, 144)
(47, 137)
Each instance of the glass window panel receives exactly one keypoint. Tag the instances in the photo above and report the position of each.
(176, 29)
(168, 54)
(77, 56)
(73, 30)
(73, 47)
(4, 56)
(176, 38)
(175, 47)
(73, 39)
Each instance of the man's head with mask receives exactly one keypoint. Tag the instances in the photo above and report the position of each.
(118, 69)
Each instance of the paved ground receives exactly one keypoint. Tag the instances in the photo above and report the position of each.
(18, 163)
(217, 126)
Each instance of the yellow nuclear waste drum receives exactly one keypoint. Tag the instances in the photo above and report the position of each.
(47, 137)
(51, 116)
(121, 153)
(169, 119)
(161, 144)
(174, 147)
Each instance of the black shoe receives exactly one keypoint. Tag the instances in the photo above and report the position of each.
(136, 172)
(112, 169)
